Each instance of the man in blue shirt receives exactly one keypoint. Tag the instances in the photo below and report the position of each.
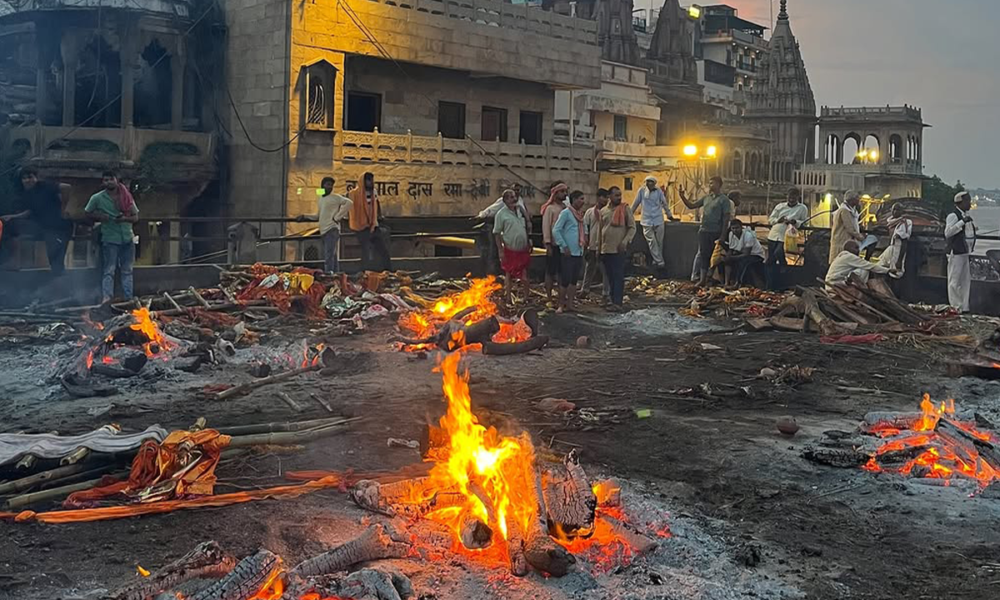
(569, 235)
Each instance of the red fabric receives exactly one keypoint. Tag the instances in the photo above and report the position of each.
(562, 187)
(618, 218)
(515, 262)
(581, 230)
(126, 203)
(871, 338)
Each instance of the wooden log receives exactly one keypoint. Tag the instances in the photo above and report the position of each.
(322, 402)
(56, 492)
(375, 583)
(474, 533)
(197, 296)
(988, 451)
(375, 543)
(289, 437)
(877, 420)
(251, 575)
(479, 332)
(639, 543)
(496, 349)
(788, 323)
(570, 502)
(288, 400)
(206, 561)
(239, 390)
(173, 312)
(171, 300)
(406, 498)
(26, 483)
(540, 550)
(827, 326)
(284, 426)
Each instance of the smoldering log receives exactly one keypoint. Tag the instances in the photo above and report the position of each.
(987, 451)
(381, 497)
(877, 420)
(540, 550)
(479, 332)
(375, 543)
(247, 578)
(497, 349)
(639, 543)
(368, 495)
(570, 502)
(206, 561)
(474, 533)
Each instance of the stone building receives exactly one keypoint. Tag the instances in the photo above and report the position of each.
(446, 104)
(782, 104)
(729, 53)
(88, 86)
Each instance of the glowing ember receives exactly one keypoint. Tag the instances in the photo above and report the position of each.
(512, 332)
(90, 360)
(928, 452)
(425, 323)
(480, 460)
(145, 324)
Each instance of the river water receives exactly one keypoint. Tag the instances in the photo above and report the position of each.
(987, 221)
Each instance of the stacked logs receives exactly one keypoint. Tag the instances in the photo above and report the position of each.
(456, 334)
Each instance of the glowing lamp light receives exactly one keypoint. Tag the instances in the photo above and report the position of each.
(694, 12)
(711, 152)
(873, 154)
(690, 150)
(828, 198)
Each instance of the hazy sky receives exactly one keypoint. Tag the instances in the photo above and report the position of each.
(942, 56)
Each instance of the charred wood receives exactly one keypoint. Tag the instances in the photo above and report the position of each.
(375, 543)
(207, 560)
(570, 502)
(249, 576)
(497, 349)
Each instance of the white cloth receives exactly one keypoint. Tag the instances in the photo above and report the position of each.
(953, 225)
(847, 263)
(47, 445)
(654, 204)
(493, 209)
(333, 209)
(589, 221)
(654, 239)
(902, 231)
(799, 213)
(748, 239)
(959, 281)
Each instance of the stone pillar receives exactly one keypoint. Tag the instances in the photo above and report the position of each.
(69, 49)
(41, 76)
(177, 63)
(128, 54)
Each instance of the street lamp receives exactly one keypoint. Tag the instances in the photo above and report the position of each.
(690, 150)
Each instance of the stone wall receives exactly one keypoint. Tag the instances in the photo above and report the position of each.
(257, 73)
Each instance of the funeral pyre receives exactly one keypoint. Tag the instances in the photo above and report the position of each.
(467, 318)
(485, 497)
(939, 443)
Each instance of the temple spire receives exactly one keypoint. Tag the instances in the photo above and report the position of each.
(783, 14)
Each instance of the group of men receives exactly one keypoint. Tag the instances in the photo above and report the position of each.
(363, 211)
(38, 215)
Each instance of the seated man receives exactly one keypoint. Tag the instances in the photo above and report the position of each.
(745, 254)
(849, 262)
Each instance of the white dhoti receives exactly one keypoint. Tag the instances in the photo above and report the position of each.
(889, 258)
(654, 239)
(959, 281)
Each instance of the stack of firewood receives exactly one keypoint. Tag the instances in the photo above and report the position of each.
(840, 309)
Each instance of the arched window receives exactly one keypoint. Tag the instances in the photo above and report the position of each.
(317, 93)
(851, 149)
(896, 149)
(833, 150)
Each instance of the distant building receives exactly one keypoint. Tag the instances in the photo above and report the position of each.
(730, 50)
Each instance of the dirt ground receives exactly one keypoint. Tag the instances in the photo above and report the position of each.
(714, 458)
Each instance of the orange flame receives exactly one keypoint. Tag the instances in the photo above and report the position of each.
(512, 332)
(90, 360)
(481, 460)
(425, 323)
(145, 324)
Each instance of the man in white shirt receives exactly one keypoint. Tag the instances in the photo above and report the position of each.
(487, 240)
(745, 253)
(591, 256)
(786, 215)
(849, 262)
(332, 209)
(491, 211)
(654, 203)
(960, 236)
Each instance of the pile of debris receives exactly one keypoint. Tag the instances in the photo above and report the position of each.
(937, 445)
(839, 310)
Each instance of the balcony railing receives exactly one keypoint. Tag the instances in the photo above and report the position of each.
(363, 146)
(908, 112)
(106, 145)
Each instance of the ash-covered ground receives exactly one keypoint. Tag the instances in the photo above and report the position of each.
(748, 516)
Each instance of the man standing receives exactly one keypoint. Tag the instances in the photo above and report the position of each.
(510, 230)
(39, 215)
(617, 228)
(844, 224)
(488, 243)
(365, 213)
(550, 213)
(333, 208)
(960, 236)
(654, 203)
(790, 213)
(115, 211)
(849, 262)
(716, 211)
(591, 256)
(570, 236)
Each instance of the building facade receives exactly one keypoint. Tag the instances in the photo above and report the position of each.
(730, 50)
(445, 104)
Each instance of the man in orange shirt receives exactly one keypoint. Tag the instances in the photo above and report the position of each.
(364, 218)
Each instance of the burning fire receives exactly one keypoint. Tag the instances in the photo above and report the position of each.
(938, 456)
(510, 333)
(484, 466)
(425, 323)
(145, 324)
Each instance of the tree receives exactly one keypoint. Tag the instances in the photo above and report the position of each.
(939, 194)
